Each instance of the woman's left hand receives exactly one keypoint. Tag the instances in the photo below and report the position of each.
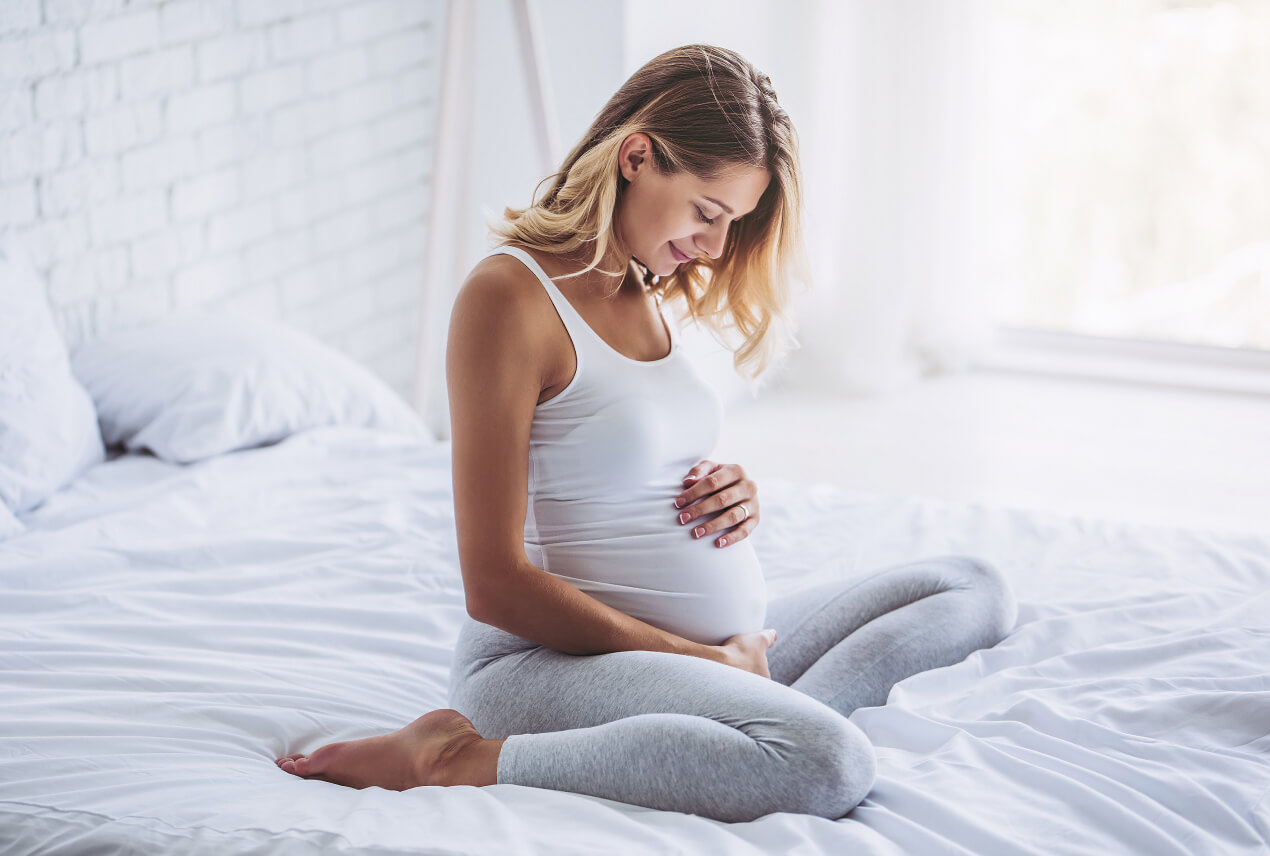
(723, 488)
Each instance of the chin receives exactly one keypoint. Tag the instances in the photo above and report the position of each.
(659, 268)
(672, 264)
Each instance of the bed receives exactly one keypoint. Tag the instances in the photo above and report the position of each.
(169, 627)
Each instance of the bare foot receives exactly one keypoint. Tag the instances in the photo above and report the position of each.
(438, 748)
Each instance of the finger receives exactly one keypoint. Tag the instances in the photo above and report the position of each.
(702, 470)
(740, 533)
(724, 486)
(715, 479)
(698, 470)
(712, 502)
(727, 500)
(704, 528)
(696, 484)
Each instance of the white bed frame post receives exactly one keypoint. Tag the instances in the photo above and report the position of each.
(445, 245)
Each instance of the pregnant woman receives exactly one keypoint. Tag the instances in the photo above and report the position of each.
(619, 641)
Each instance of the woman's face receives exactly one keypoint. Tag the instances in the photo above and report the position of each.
(660, 214)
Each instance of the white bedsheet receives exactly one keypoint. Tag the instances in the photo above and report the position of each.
(167, 631)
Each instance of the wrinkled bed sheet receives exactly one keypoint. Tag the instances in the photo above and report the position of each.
(167, 631)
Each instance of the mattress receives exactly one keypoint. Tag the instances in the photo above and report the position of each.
(167, 631)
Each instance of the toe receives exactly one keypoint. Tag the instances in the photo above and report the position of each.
(296, 765)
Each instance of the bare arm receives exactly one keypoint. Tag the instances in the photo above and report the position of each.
(497, 365)
(545, 609)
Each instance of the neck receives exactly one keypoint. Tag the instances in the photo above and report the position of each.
(630, 274)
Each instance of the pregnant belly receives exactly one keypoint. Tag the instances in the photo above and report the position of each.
(657, 572)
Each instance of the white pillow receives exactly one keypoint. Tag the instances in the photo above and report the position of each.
(193, 386)
(48, 429)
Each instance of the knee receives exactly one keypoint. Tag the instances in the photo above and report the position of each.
(995, 595)
(836, 767)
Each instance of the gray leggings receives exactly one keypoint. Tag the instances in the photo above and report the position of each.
(681, 733)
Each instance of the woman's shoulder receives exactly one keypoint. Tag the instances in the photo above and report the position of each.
(503, 305)
(501, 290)
(506, 271)
(500, 273)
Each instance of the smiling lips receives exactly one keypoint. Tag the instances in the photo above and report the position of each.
(678, 255)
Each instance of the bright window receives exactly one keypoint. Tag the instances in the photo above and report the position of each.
(1122, 168)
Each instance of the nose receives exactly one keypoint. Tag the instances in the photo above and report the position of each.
(711, 241)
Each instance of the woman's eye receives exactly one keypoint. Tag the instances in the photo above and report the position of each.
(703, 216)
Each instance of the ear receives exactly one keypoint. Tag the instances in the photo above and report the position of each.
(635, 155)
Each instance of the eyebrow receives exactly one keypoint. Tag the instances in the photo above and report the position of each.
(720, 204)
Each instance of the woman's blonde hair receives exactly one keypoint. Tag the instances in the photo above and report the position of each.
(707, 112)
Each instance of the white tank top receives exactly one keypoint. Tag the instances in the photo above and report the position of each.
(607, 457)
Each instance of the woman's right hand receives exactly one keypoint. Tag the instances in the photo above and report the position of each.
(748, 651)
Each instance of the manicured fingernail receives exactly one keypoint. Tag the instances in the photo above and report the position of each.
(679, 502)
(698, 532)
(723, 542)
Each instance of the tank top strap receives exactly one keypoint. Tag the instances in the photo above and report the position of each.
(577, 326)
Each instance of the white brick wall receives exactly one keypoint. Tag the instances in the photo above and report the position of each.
(268, 157)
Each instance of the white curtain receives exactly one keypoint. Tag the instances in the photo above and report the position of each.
(886, 122)
(882, 94)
